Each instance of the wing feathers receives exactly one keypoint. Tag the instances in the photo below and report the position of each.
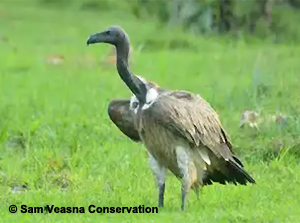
(223, 171)
(192, 118)
(123, 118)
(240, 175)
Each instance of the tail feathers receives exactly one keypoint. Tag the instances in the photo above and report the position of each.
(230, 171)
(237, 173)
(216, 176)
(238, 161)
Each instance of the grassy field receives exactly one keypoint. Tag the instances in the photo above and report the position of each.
(56, 137)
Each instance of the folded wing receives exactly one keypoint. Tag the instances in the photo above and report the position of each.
(123, 118)
(193, 119)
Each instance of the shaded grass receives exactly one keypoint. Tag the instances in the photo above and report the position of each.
(55, 132)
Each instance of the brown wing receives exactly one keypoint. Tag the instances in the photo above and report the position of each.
(192, 118)
(123, 118)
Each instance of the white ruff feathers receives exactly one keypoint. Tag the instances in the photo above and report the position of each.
(151, 96)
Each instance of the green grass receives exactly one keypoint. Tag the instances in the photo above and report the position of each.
(54, 127)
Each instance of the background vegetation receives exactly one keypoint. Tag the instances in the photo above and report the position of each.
(266, 19)
(59, 147)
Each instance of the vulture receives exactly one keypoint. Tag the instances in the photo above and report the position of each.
(180, 130)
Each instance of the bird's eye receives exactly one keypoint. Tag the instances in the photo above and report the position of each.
(108, 32)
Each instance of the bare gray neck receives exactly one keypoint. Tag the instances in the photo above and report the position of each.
(136, 86)
(122, 50)
(123, 61)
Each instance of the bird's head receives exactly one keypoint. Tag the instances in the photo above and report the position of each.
(113, 35)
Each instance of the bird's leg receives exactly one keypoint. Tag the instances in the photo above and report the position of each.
(161, 193)
(197, 191)
(182, 157)
(185, 186)
(159, 175)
